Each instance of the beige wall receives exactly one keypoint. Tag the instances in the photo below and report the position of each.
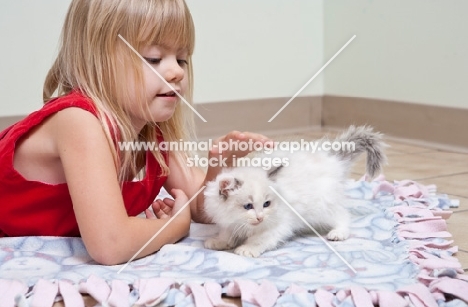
(245, 49)
(405, 50)
(256, 49)
(29, 33)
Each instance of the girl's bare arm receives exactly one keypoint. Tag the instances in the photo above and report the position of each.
(109, 234)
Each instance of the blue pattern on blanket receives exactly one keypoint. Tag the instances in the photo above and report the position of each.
(380, 259)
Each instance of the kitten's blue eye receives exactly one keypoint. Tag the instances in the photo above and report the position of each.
(248, 206)
(266, 204)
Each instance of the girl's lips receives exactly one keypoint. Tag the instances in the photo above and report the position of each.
(169, 98)
(167, 94)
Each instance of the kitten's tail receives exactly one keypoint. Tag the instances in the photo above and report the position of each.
(364, 140)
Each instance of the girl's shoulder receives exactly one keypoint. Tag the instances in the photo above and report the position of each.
(75, 99)
(32, 144)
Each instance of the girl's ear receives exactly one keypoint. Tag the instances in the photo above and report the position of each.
(227, 185)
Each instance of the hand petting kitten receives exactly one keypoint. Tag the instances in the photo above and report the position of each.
(234, 137)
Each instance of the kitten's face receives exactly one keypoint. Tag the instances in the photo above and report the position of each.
(242, 198)
(250, 205)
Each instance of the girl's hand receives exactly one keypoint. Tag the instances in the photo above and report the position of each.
(161, 209)
(166, 208)
(180, 200)
(229, 146)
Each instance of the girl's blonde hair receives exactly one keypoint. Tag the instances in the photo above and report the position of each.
(94, 60)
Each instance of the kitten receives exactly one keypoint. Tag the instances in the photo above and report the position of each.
(253, 219)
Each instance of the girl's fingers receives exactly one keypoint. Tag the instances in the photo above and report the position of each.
(162, 206)
(160, 209)
(242, 136)
(149, 215)
(161, 215)
(169, 202)
(165, 208)
(156, 206)
(237, 136)
(227, 147)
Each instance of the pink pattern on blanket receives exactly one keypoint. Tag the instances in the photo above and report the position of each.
(405, 189)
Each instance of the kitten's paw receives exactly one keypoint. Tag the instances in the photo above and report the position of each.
(248, 251)
(216, 244)
(338, 234)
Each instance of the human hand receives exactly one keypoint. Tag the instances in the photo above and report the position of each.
(167, 207)
(162, 209)
(238, 144)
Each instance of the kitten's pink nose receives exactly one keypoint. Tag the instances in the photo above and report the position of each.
(259, 218)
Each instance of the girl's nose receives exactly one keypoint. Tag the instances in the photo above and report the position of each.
(173, 72)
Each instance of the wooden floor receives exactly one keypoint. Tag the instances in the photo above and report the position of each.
(428, 164)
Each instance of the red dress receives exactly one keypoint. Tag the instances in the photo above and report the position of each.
(32, 208)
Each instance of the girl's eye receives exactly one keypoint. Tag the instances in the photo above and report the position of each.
(182, 63)
(248, 206)
(153, 60)
(266, 204)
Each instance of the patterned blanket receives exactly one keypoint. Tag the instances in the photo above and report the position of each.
(398, 254)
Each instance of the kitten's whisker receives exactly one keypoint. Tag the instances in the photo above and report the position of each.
(312, 228)
(236, 232)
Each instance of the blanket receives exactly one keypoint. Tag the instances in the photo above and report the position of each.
(399, 253)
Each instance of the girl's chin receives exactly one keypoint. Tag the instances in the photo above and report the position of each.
(140, 122)
(162, 116)
(162, 111)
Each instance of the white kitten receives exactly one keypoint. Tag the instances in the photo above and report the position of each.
(253, 219)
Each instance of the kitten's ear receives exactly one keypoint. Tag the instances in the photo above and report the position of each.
(272, 172)
(228, 185)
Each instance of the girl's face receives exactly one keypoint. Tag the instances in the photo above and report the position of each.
(161, 99)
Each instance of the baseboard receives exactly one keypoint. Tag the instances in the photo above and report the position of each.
(424, 123)
(6, 121)
(253, 115)
(247, 115)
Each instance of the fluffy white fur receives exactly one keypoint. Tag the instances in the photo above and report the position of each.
(253, 219)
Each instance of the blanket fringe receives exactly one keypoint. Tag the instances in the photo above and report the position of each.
(251, 293)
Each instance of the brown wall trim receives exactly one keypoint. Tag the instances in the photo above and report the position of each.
(7, 121)
(253, 115)
(246, 115)
(434, 124)
(423, 123)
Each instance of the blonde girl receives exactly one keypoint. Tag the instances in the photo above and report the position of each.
(63, 173)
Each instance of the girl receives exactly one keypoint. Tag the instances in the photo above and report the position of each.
(62, 171)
